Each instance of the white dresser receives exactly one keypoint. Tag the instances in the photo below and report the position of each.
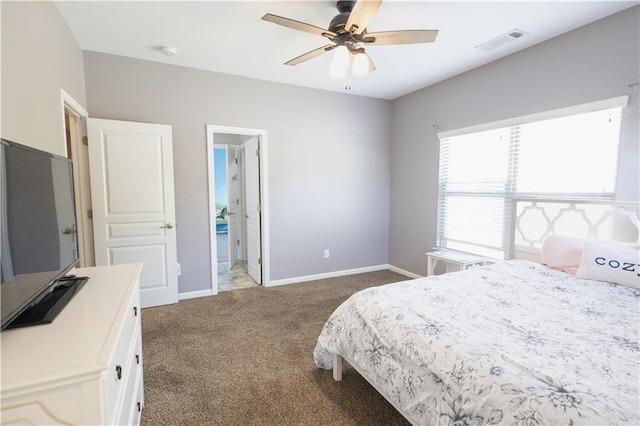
(85, 368)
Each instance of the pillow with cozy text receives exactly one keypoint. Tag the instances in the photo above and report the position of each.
(610, 263)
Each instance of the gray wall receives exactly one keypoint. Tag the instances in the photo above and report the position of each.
(328, 160)
(330, 174)
(591, 63)
(40, 56)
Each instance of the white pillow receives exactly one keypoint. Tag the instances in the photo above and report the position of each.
(611, 263)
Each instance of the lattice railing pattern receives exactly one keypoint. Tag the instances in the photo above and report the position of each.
(536, 219)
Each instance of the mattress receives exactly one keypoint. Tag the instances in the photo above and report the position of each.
(510, 343)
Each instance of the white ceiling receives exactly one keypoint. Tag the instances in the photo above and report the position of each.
(230, 37)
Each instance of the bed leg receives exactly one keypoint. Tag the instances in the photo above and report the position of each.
(337, 367)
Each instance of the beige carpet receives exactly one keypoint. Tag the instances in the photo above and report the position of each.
(245, 357)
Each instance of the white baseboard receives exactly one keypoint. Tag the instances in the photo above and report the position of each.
(403, 272)
(195, 294)
(327, 275)
(209, 292)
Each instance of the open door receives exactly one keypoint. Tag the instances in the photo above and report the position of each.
(253, 214)
(131, 167)
(233, 204)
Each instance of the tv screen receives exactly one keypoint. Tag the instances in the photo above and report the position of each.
(38, 240)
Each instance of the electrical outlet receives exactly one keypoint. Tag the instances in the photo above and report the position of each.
(326, 253)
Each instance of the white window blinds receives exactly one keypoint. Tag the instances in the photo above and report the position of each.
(481, 172)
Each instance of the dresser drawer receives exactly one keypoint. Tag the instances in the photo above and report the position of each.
(138, 405)
(131, 413)
(129, 403)
(122, 364)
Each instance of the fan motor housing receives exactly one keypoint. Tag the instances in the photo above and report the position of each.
(345, 6)
(338, 22)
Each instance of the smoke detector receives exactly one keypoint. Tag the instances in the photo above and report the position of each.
(168, 50)
(501, 40)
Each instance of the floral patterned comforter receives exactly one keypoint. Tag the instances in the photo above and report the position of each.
(511, 343)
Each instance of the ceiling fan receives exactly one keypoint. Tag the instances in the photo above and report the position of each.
(348, 35)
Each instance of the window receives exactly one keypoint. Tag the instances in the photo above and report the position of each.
(561, 154)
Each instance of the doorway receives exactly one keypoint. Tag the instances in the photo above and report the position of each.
(74, 124)
(229, 204)
(237, 207)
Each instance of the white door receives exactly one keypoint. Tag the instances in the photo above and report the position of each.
(131, 170)
(233, 203)
(252, 185)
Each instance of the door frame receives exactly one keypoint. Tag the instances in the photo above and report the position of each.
(80, 163)
(264, 199)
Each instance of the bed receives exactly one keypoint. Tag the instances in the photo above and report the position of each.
(515, 342)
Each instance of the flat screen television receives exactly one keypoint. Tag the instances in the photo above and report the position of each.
(38, 239)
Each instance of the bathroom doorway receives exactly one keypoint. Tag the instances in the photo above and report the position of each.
(236, 208)
(232, 271)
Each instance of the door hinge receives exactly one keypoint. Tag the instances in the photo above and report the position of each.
(85, 140)
(259, 261)
(238, 242)
(257, 152)
(90, 214)
(236, 160)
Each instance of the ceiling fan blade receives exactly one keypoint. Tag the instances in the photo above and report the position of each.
(297, 25)
(361, 14)
(400, 37)
(310, 55)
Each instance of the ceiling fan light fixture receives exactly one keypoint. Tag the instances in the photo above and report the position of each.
(340, 62)
(337, 70)
(341, 56)
(360, 64)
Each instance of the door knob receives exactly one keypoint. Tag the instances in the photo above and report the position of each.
(167, 226)
(69, 230)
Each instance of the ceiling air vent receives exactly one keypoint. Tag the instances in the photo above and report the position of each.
(501, 40)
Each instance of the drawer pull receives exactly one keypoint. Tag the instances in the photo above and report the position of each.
(139, 407)
(135, 311)
(137, 359)
(119, 372)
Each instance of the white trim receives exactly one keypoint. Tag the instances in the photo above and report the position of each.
(264, 199)
(80, 179)
(67, 102)
(73, 104)
(212, 214)
(403, 272)
(204, 293)
(328, 275)
(620, 101)
(195, 294)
